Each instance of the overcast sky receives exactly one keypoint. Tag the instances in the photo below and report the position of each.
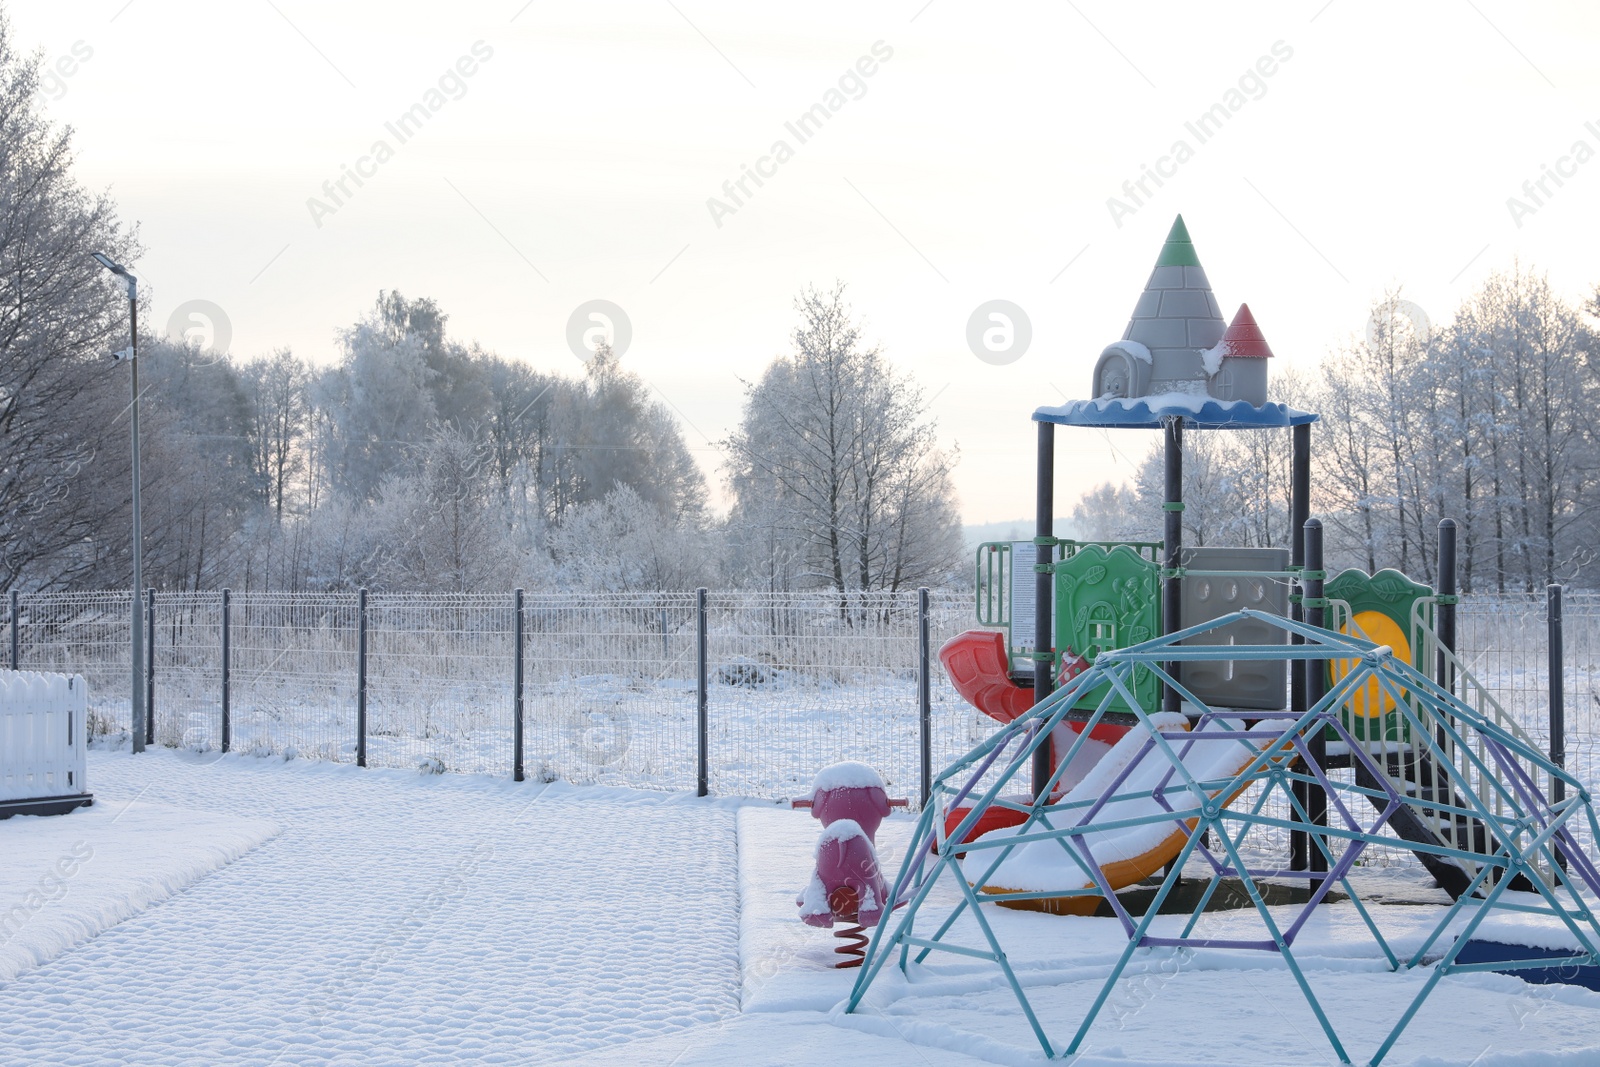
(569, 152)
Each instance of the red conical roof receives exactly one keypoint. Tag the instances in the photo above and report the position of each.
(1244, 337)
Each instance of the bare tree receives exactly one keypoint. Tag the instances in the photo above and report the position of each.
(835, 456)
(63, 436)
(280, 410)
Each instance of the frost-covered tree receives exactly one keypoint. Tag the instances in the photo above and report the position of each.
(1484, 422)
(622, 543)
(1109, 512)
(836, 461)
(1540, 445)
(378, 409)
(443, 525)
(200, 486)
(279, 388)
(616, 434)
(64, 454)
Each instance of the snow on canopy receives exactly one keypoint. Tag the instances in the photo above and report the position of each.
(1197, 410)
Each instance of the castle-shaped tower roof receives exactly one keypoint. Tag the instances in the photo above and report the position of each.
(1244, 337)
(1177, 316)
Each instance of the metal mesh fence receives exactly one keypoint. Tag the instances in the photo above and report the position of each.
(1505, 644)
(186, 657)
(81, 633)
(795, 681)
(294, 674)
(611, 690)
(439, 682)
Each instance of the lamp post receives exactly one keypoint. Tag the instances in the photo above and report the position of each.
(131, 356)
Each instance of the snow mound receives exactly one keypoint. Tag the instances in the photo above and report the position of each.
(1523, 928)
(72, 876)
(846, 775)
(398, 918)
(840, 830)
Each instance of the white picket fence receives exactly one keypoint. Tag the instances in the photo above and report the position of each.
(43, 722)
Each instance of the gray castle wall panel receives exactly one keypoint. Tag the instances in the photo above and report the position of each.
(1205, 333)
(1159, 333)
(1169, 278)
(1185, 303)
(1253, 684)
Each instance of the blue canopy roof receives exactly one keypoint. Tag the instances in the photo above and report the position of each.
(1147, 413)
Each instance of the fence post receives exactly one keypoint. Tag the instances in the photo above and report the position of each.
(150, 667)
(924, 694)
(516, 691)
(16, 630)
(703, 761)
(361, 678)
(227, 669)
(1556, 673)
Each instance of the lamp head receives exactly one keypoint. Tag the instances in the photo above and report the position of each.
(118, 269)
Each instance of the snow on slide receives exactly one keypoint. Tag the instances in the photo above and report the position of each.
(1129, 854)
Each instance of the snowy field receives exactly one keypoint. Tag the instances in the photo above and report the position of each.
(255, 911)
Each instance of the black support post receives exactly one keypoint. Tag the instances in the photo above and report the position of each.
(1447, 603)
(1172, 555)
(1558, 691)
(924, 694)
(1044, 531)
(361, 678)
(1299, 512)
(16, 633)
(702, 777)
(150, 666)
(227, 669)
(1299, 515)
(517, 636)
(1316, 684)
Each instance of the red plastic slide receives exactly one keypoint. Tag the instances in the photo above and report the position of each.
(979, 668)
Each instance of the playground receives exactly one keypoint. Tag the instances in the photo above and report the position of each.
(1198, 747)
(1162, 852)
(245, 921)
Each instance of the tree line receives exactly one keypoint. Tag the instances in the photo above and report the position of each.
(414, 460)
(1486, 419)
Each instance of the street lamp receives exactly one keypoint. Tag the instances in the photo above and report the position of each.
(131, 356)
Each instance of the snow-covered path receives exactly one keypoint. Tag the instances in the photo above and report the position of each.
(399, 919)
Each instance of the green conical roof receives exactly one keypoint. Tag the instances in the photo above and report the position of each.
(1179, 250)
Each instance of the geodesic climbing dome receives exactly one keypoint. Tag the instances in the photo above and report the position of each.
(1490, 816)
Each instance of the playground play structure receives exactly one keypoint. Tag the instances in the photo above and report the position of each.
(1166, 714)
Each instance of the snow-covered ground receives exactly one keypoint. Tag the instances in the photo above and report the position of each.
(316, 913)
